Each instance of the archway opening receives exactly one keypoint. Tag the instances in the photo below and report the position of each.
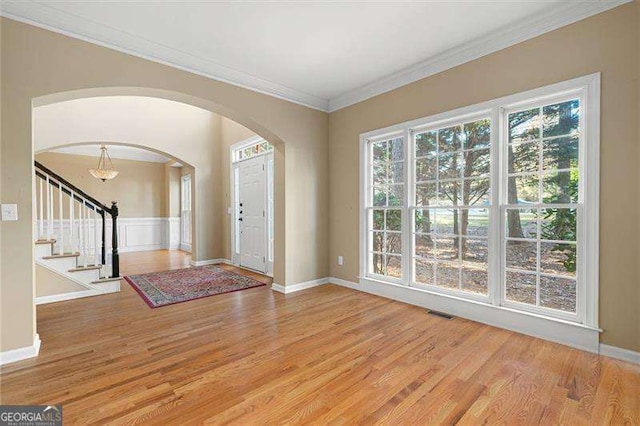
(79, 118)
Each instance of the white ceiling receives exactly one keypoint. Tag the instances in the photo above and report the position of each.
(115, 151)
(326, 55)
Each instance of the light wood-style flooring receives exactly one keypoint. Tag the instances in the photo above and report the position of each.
(323, 355)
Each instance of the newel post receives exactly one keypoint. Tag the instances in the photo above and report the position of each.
(115, 257)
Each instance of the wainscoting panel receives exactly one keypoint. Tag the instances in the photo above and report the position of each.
(134, 234)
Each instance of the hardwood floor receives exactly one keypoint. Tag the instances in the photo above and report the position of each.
(323, 355)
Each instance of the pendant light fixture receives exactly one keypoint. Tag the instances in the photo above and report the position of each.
(104, 172)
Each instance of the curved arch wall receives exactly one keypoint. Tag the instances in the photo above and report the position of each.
(189, 134)
(37, 63)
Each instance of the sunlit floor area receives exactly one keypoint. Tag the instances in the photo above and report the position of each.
(143, 262)
(323, 355)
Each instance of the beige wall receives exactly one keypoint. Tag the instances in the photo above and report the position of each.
(140, 188)
(38, 63)
(606, 43)
(172, 176)
(49, 283)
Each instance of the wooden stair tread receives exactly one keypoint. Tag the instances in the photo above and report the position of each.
(46, 241)
(85, 268)
(106, 280)
(61, 256)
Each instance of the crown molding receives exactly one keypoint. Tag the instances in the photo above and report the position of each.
(47, 17)
(565, 14)
(119, 152)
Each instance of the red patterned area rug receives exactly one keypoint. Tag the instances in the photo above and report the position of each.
(181, 285)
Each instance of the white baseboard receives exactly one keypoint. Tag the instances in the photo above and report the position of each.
(300, 286)
(19, 354)
(209, 262)
(344, 283)
(620, 353)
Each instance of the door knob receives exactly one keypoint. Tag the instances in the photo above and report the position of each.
(240, 219)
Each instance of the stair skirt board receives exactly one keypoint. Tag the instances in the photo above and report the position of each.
(113, 287)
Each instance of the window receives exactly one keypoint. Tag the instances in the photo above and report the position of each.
(386, 191)
(270, 212)
(541, 209)
(185, 205)
(258, 147)
(490, 203)
(452, 203)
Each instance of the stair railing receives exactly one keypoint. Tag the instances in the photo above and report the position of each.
(85, 216)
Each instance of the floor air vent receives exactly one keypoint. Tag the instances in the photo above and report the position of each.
(440, 314)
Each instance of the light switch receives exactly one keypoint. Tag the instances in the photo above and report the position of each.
(9, 212)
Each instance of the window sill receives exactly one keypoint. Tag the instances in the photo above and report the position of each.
(556, 330)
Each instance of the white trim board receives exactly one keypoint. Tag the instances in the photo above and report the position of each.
(42, 300)
(620, 353)
(19, 354)
(47, 17)
(286, 289)
(209, 262)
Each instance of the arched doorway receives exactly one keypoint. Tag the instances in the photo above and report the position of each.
(205, 165)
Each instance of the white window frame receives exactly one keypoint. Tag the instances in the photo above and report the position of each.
(486, 309)
(186, 198)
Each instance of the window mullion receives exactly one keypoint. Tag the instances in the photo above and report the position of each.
(498, 194)
(407, 221)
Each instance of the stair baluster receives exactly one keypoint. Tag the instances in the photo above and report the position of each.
(49, 210)
(61, 217)
(41, 211)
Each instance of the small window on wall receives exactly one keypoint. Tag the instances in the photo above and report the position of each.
(259, 147)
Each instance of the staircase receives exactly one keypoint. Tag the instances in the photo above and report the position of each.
(71, 228)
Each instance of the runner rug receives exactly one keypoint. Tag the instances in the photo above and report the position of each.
(181, 285)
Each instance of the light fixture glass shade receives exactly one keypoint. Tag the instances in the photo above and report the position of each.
(103, 172)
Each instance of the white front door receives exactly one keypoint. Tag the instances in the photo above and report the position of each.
(252, 214)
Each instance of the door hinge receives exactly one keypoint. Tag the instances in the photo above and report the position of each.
(264, 259)
(263, 213)
(263, 167)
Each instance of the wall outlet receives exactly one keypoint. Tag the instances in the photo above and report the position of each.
(9, 212)
(229, 211)
(340, 260)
